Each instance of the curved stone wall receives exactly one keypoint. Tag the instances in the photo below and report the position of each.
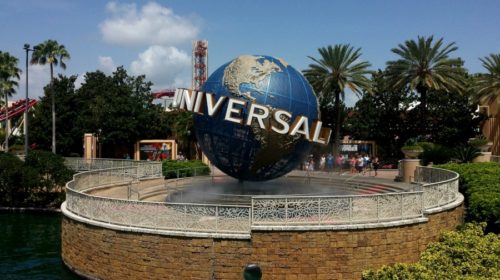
(104, 253)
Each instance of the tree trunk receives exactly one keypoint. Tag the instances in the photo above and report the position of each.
(53, 109)
(422, 90)
(337, 125)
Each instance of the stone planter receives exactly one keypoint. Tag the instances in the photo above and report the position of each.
(486, 147)
(483, 157)
(411, 153)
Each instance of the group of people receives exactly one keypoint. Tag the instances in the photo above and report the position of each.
(358, 163)
(361, 163)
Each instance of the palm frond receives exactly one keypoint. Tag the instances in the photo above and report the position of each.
(50, 52)
(487, 86)
(425, 64)
(9, 73)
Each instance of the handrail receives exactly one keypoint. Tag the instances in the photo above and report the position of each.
(192, 217)
(439, 187)
(146, 169)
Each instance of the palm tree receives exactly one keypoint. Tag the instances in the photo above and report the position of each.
(52, 53)
(425, 66)
(9, 73)
(338, 68)
(488, 85)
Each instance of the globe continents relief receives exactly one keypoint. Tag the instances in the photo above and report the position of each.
(249, 152)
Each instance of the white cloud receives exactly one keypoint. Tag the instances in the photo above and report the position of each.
(38, 78)
(166, 67)
(79, 80)
(152, 25)
(106, 64)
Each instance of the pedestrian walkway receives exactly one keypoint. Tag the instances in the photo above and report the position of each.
(384, 177)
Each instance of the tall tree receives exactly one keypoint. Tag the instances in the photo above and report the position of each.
(383, 116)
(425, 65)
(68, 136)
(488, 85)
(9, 73)
(54, 54)
(338, 67)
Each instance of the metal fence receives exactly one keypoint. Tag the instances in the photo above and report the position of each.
(439, 187)
(145, 169)
(332, 210)
(89, 180)
(166, 216)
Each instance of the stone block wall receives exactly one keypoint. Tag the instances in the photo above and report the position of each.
(327, 254)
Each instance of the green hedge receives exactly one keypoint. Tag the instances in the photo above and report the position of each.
(466, 254)
(184, 168)
(36, 182)
(480, 184)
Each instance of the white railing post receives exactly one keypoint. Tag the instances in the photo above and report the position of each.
(402, 207)
(319, 210)
(251, 215)
(350, 209)
(378, 208)
(217, 218)
(286, 211)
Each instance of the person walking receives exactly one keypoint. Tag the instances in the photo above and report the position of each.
(359, 164)
(366, 164)
(311, 165)
(329, 163)
(352, 163)
(376, 164)
(322, 162)
(340, 162)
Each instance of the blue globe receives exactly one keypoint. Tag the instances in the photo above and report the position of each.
(249, 152)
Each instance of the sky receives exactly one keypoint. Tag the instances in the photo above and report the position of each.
(154, 37)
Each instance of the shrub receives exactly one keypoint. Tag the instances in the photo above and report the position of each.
(184, 168)
(51, 168)
(37, 182)
(466, 254)
(480, 184)
(466, 153)
(11, 178)
(478, 141)
(436, 154)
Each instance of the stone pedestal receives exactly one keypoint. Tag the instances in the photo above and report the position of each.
(409, 167)
(89, 146)
(483, 157)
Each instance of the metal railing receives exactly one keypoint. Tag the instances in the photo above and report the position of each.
(333, 210)
(439, 187)
(160, 216)
(151, 215)
(145, 169)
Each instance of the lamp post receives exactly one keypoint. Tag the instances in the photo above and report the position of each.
(27, 48)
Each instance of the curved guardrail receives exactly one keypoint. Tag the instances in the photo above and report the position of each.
(145, 169)
(150, 215)
(439, 187)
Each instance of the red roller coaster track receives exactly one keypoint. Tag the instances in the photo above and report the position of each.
(163, 93)
(17, 108)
